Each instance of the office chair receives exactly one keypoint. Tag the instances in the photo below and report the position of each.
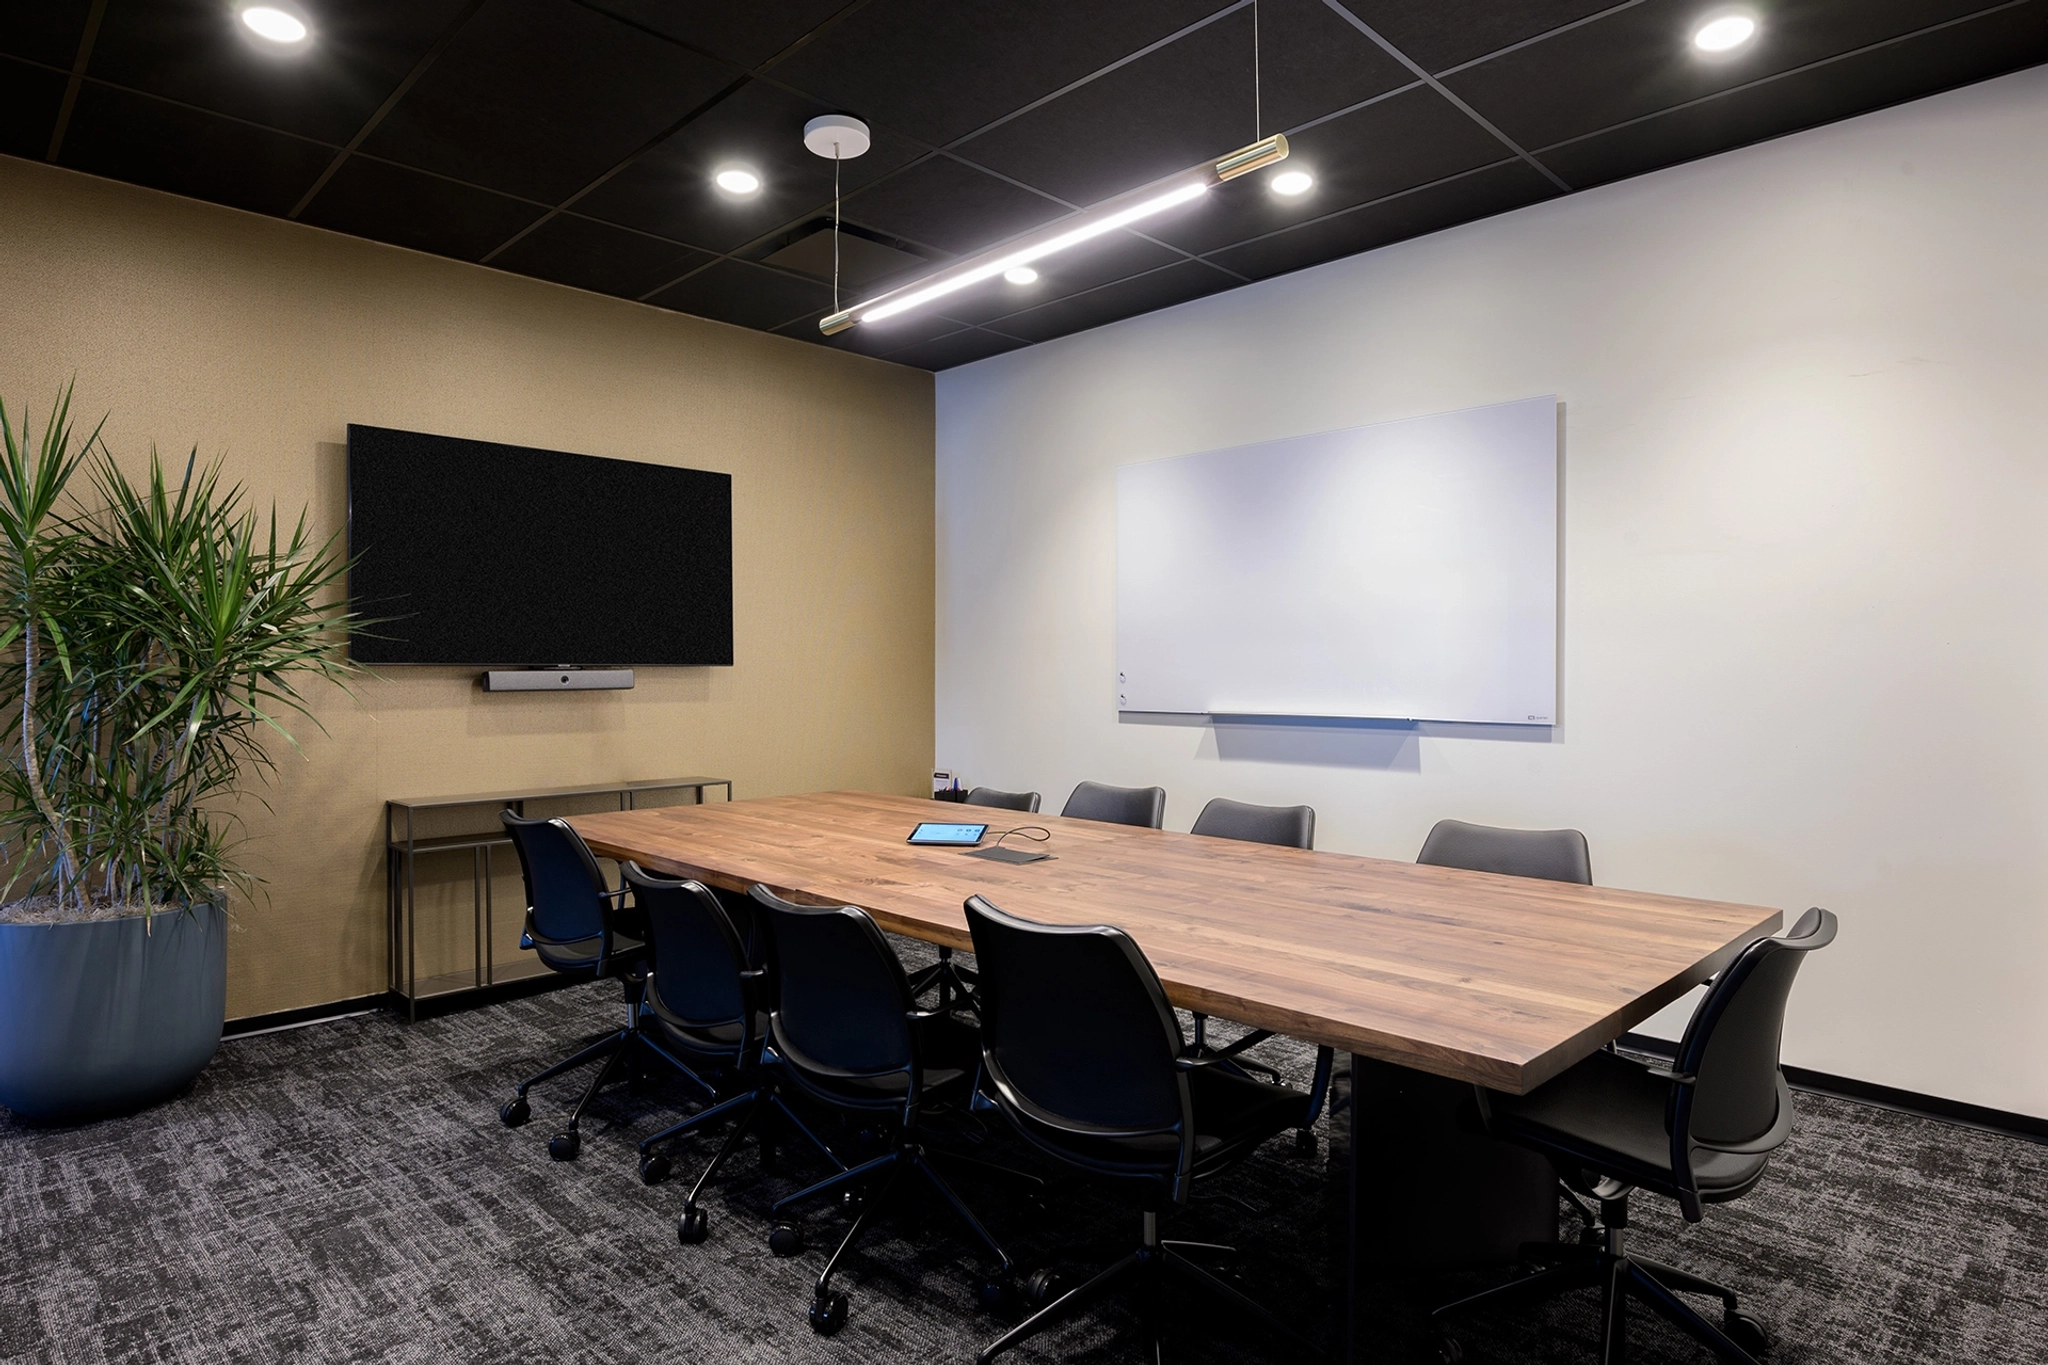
(1002, 800)
(1699, 1131)
(847, 1032)
(1287, 827)
(706, 1000)
(1085, 1057)
(580, 927)
(1556, 855)
(1141, 806)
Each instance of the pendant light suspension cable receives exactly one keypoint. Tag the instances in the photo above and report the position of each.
(1258, 110)
(835, 227)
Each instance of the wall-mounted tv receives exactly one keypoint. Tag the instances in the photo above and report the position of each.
(475, 553)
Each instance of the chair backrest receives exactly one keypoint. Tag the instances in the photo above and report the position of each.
(1142, 806)
(844, 1003)
(1288, 826)
(1558, 855)
(699, 958)
(1076, 1029)
(565, 890)
(1002, 800)
(1731, 1043)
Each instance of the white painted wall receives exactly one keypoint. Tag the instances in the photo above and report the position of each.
(1805, 582)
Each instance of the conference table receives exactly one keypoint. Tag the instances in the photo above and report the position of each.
(1432, 978)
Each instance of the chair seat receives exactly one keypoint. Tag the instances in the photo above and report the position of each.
(1232, 1114)
(1609, 1107)
(580, 955)
(714, 1040)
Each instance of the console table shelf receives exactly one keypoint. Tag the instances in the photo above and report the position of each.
(404, 845)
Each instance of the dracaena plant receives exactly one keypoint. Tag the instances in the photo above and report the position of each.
(155, 638)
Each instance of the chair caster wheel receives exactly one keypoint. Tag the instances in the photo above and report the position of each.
(1745, 1331)
(1448, 1351)
(1305, 1141)
(515, 1112)
(653, 1169)
(564, 1146)
(998, 1294)
(1041, 1287)
(828, 1314)
(785, 1240)
(693, 1227)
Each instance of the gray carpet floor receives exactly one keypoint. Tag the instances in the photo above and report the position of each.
(345, 1192)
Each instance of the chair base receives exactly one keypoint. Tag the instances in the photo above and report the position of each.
(885, 1185)
(1619, 1276)
(1151, 1265)
(622, 1045)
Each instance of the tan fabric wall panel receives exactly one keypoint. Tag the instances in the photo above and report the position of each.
(190, 325)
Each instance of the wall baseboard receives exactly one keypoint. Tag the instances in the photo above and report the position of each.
(391, 1000)
(1977, 1116)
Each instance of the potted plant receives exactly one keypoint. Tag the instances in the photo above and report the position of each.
(151, 641)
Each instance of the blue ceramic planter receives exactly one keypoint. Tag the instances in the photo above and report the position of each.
(100, 1019)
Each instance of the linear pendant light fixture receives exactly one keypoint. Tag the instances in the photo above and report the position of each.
(1064, 235)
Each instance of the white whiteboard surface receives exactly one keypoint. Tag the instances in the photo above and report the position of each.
(1403, 571)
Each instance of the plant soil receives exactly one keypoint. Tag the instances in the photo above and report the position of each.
(45, 910)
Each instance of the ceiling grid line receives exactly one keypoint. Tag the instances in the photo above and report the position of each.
(72, 86)
(1404, 59)
(411, 78)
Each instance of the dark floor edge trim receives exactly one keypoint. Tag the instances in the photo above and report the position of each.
(1881, 1096)
(310, 1014)
(432, 1007)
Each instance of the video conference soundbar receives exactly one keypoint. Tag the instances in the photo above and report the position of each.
(557, 679)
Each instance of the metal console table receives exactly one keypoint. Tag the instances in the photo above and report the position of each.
(403, 846)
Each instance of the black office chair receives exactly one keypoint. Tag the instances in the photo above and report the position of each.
(1557, 855)
(1699, 1131)
(706, 1001)
(1141, 806)
(1287, 827)
(1085, 1057)
(1002, 800)
(578, 926)
(847, 1032)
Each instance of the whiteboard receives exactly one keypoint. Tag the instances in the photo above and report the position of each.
(1405, 571)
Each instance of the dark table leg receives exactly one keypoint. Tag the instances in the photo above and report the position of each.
(1422, 1190)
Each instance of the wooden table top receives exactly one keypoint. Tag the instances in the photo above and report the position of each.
(1501, 980)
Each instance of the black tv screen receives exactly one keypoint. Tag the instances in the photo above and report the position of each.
(470, 552)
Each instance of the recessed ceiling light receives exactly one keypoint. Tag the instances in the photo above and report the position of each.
(737, 180)
(274, 24)
(1291, 183)
(1724, 34)
(1021, 274)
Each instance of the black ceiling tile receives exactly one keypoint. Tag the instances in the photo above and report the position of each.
(1096, 263)
(1640, 60)
(539, 97)
(746, 294)
(1123, 299)
(942, 203)
(198, 52)
(745, 34)
(1311, 62)
(963, 347)
(1181, 105)
(29, 100)
(598, 257)
(145, 141)
(1951, 56)
(861, 266)
(1509, 185)
(44, 30)
(938, 69)
(1409, 139)
(1438, 34)
(669, 191)
(387, 203)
